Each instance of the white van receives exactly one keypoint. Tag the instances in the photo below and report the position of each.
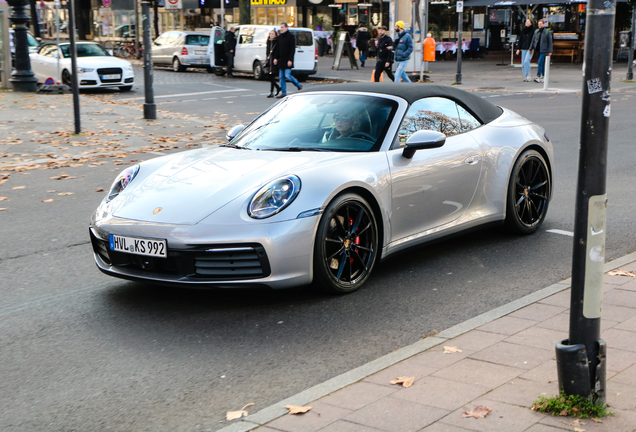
(251, 50)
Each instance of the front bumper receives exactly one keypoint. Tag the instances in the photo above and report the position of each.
(94, 79)
(275, 255)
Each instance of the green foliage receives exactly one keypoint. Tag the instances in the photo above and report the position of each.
(573, 406)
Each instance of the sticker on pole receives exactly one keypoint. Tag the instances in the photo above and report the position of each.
(49, 81)
(106, 3)
(174, 4)
(594, 263)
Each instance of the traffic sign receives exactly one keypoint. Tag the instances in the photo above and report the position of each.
(106, 3)
(49, 81)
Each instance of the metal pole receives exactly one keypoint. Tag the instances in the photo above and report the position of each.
(150, 108)
(223, 14)
(75, 84)
(460, 24)
(581, 358)
(22, 77)
(630, 52)
(546, 81)
(137, 56)
(57, 36)
(424, 21)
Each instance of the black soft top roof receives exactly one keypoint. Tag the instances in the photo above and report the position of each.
(481, 108)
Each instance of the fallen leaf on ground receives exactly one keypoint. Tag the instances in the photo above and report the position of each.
(18, 187)
(622, 273)
(48, 200)
(451, 350)
(2, 208)
(478, 412)
(99, 190)
(62, 177)
(4, 199)
(564, 412)
(233, 415)
(595, 420)
(405, 381)
(3, 182)
(293, 409)
(65, 193)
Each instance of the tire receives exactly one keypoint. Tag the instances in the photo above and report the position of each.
(529, 191)
(177, 66)
(258, 70)
(66, 78)
(302, 78)
(125, 88)
(209, 69)
(219, 71)
(346, 246)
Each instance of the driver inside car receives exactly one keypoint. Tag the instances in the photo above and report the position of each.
(345, 123)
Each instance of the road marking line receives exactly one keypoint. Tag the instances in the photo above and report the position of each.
(228, 97)
(562, 232)
(209, 98)
(189, 100)
(189, 94)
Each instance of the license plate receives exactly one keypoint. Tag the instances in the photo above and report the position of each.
(111, 77)
(138, 246)
(199, 52)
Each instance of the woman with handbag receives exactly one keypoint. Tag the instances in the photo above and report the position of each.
(271, 70)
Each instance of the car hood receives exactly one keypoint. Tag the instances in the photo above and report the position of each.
(192, 185)
(101, 62)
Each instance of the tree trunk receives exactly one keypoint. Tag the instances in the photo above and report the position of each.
(155, 8)
(244, 12)
(34, 19)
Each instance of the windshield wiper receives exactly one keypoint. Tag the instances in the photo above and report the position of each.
(234, 146)
(298, 149)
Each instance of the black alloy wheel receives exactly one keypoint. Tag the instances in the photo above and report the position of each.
(528, 193)
(346, 245)
(66, 78)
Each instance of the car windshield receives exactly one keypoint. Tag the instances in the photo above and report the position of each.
(321, 122)
(201, 40)
(32, 40)
(85, 50)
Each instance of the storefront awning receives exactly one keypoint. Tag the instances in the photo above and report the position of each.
(504, 3)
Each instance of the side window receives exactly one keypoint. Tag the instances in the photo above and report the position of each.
(171, 38)
(469, 122)
(161, 40)
(247, 35)
(303, 38)
(260, 35)
(434, 113)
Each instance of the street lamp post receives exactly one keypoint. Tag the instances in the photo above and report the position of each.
(460, 28)
(630, 51)
(581, 359)
(150, 108)
(22, 76)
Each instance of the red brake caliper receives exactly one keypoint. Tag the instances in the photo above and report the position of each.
(356, 240)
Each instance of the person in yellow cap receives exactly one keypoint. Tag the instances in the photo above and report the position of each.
(403, 49)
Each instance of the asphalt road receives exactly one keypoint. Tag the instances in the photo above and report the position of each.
(82, 351)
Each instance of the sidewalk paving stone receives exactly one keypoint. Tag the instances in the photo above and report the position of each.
(358, 396)
(618, 360)
(396, 415)
(621, 339)
(561, 299)
(621, 396)
(440, 427)
(507, 325)
(538, 312)
(503, 418)
(627, 376)
(622, 421)
(475, 340)
(617, 312)
(523, 392)
(538, 337)
(510, 354)
(479, 372)
(320, 416)
(441, 393)
(620, 297)
(346, 426)
(629, 325)
(546, 372)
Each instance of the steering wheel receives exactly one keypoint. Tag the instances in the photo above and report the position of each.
(362, 135)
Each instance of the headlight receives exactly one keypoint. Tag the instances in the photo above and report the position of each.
(274, 197)
(129, 68)
(122, 181)
(84, 70)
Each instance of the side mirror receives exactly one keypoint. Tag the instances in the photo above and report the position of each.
(423, 139)
(39, 40)
(234, 132)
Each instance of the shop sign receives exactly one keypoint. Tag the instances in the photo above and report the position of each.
(266, 2)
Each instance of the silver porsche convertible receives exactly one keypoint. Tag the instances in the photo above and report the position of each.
(322, 186)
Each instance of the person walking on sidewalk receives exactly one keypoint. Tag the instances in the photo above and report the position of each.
(523, 46)
(542, 42)
(284, 59)
(403, 49)
(385, 55)
(270, 68)
(230, 49)
(362, 43)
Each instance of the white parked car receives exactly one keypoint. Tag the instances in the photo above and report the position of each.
(251, 50)
(95, 66)
(182, 50)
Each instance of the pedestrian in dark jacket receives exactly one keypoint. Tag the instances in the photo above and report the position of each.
(542, 42)
(284, 59)
(523, 46)
(362, 43)
(230, 50)
(403, 49)
(385, 55)
(272, 69)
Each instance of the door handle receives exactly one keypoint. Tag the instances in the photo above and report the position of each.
(472, 160)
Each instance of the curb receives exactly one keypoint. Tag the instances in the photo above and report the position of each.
(277, 410)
